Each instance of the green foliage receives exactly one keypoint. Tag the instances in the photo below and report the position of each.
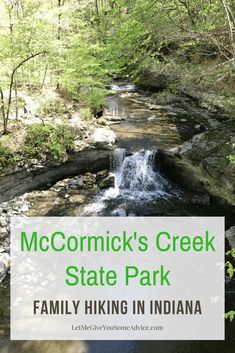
(44, 140)
(52, 107)
(7, 158)
(229, 265)
(188, 42)
(38, 140)
(230, 271)
(84, 74)
(92, 97)
(230, 315)
(86, 113)
(231, 157)
(181, 38)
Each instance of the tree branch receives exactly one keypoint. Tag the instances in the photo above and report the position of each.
(12, 80)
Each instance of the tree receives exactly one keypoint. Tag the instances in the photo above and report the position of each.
(6, 107)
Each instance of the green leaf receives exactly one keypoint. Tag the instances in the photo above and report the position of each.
(230, 315)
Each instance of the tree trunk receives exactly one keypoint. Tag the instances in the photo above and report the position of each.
(3, 112)
(231, 27)
(12, 79)
(16, 99)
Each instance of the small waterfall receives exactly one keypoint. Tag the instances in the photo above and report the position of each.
(137, 175)
(137, 182)
(127, 87)
(119, 156)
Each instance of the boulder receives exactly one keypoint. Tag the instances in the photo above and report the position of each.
(108, 182)
(77, 122)
(102, 121)
(103, 135)
(77, 199)
(201, 199)
(25, 208)
(230, 235)
(202, 165)
(101, 175)
(23, 181)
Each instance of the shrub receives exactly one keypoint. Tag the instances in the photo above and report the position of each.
(92, 97)
(63, 138)
(7, 158)
(86, 113)
(46, 139)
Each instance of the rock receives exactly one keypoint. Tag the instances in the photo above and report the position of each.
(104, 135)
(167, 108)
(3, 222)
(230, 235)
(151, 118)
(108, 182)
(77, 122)
(214, 124)
(89, 180)
(172, 114)
(198, 127)
(114, 118)
(174, 150)
(24, 208)
(202, 165)
(102, 121)
(75, 183)
(120, 212)
(18, 183)
(5, 259)
(64, 182)
(179, 111)
(203, 199)
(3, 271)
(79, 181)
(3, 233)
(154, 106)
(78, 199)
(102, 174)
(72, 186)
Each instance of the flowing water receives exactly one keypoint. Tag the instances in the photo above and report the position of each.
(138, 186)
(136, 175)
(140, 189)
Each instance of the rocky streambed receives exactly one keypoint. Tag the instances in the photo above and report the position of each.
(63, 198)
(150, 155)
(192, 143)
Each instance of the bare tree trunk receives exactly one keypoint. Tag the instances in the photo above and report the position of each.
(187, 6)
(7, 114)
(16, 100)
(59, 20)
(3, 111)
(44, 76)
(60, 5)
(231, 26)
(97, 8)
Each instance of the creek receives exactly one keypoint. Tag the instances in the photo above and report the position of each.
(140, 189)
